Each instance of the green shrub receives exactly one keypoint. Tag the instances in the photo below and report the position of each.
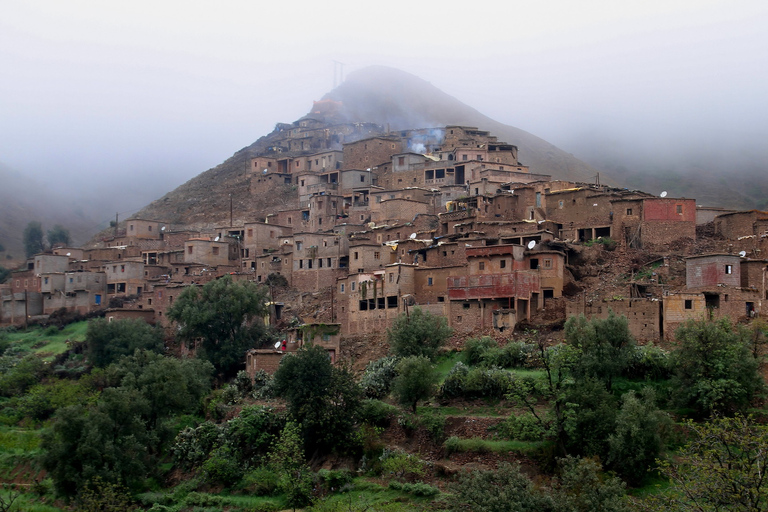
(222, 467)
(399, 464)
(262, 481)
(649, 362)
(378, 376)
(201, 499)
(522, 428)
(377, 413)
(333, 480)
(453, 385)
(193, 445)
(434, 424)
(476, 348)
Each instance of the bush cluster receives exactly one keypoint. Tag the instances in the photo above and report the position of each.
(463, 382)
(379, 374)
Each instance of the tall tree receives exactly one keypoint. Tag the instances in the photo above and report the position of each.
(416, 380)
(418, 333)
(107, 341)
(717, 371)
(33, 238)
(322, 398)
(226, 316)
(58, 235)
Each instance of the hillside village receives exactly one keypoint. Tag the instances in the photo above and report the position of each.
(370, 222)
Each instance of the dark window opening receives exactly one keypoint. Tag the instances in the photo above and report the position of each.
(534, 263)
(688, 304)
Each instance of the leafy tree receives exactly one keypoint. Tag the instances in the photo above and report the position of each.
(109, 440)
(33, 238)
(106, 342)
(528, 392)
(583, 487)
(590, 415)
(225, 315)
(59, 235)
(121, 437)
(21, 374)
(418, 333)
(505, 489)
(287, 458)
(171, 386)
(378, 376)
(416, 380)
(323, 399)
(100, 496)
(639, 435)
(721, 468)
(716, 369)
(605, 344)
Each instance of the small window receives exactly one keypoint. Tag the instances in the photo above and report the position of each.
(391, 278)
(215, 251)
(547, 263)
(353, 286)
(376, 255)
(679, 209)
(466, 305)
(481, 265)
(503, 264)
(629, 211)
(429, 281)
(341, 288)
(688, 304)
(728, 269)
(356, 255)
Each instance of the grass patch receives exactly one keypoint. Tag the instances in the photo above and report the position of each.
(48, 342)
(477, 445)
(485, 410)
(446, 362)
(528, 373)
(18, 441)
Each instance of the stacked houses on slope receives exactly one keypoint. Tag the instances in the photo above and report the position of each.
(446, 219)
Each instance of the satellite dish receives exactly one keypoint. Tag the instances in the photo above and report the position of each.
(743, 253)
(663, 194)
(413, 236)
(277, 345)
(531, 244)
(216, 239)
(69, 254)
(162, 228)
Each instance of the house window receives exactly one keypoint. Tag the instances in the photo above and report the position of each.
(376, 255)
(503, 264)
(481, 265)
(679, 209)
(215, 251)
(189, 249)
(298, 246)
(362, 178)
(547, 263)
(401, 160)
(688, 304)
(46, 280)
(560, 205)
(122, 268)
(149, 228)
(353, 286)
(356, 255)
(250, 232)
(728, 269)
(429, 281)
(341, 289)
(391, 278)
(629, 211)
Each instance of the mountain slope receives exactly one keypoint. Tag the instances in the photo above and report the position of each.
(385, 96)
(389, 96)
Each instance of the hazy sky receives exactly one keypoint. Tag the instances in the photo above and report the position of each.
(138, 94)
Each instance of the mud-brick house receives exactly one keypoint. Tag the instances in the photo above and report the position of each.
(261, 238)
(370, 152)
(125, 277)
(203, 251)
(644, 222)
(326, 336)
(741, 224)
(502, 286)
(82, 292)
(718, 278)
(370, 301)
(318, 259)
(644, 315)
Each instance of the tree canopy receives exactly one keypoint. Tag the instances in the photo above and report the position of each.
(418, 333)
(225, 316)
(322, 398)
(106, 342)
(58, 235)
(416, 380)
(717, 371)
(33, 238)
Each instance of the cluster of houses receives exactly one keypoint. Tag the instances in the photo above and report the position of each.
(446, 219)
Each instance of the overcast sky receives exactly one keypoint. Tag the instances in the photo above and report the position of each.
(136, 93)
